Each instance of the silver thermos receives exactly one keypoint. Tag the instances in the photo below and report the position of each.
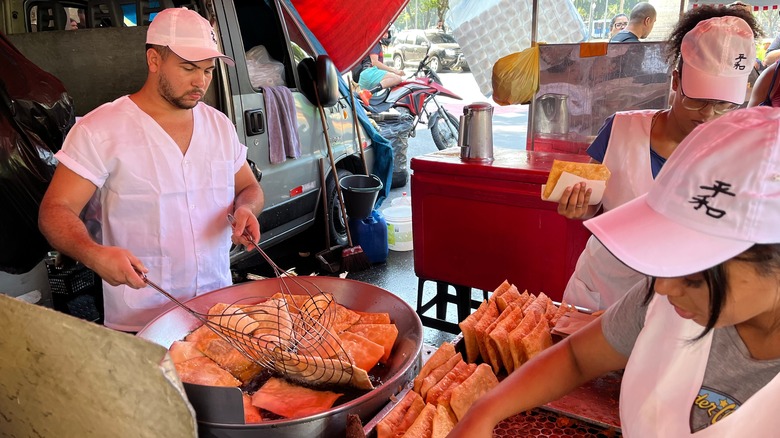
(475, 136)
(552, 114)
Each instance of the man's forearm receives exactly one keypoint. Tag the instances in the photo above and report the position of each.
(66, 233)
(250, 197)
(771, 57)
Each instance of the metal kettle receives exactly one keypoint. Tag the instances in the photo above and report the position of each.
(552, 114)
(475, 136)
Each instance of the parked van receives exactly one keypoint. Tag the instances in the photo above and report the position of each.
(103, 58)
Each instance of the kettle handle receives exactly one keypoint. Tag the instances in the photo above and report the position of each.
(462, 132)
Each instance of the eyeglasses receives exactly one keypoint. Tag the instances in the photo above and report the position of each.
(718, 106)
(621, 25)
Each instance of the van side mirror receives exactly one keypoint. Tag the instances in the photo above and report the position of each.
(322, 74)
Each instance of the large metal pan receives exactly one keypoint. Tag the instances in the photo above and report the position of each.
(403, 365)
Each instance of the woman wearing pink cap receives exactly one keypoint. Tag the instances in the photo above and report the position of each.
(700, 344)
(713, 51)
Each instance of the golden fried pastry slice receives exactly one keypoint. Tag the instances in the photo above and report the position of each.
(442, 355)
(465, 394)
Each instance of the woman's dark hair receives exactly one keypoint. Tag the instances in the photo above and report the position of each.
(698, 14)
(766, 260)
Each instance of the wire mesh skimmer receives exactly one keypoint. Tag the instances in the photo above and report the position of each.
(287, 333)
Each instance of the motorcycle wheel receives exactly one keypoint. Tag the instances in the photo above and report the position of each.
(434, 64)
(444, 130)
(398, 62)
(336, 222)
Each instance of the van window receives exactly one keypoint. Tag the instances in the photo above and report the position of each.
(259, 26)
(47, 15)
(52, 15)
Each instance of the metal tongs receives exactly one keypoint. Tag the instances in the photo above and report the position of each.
(154, 286)
(232, 220)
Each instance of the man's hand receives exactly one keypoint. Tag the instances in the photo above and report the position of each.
(245, 221)
(118, 266)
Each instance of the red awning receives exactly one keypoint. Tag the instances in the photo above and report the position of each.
(347, 29)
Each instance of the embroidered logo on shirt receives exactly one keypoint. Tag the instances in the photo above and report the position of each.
(699, 201)
(714, 405)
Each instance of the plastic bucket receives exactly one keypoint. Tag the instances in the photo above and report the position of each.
(360, 193)
(399, 227)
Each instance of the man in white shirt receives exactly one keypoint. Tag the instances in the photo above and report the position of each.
(166, 169)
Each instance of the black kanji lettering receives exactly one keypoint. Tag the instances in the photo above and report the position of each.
(738, 62)
(719, 187)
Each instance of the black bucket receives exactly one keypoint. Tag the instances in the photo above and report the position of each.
(360, 193)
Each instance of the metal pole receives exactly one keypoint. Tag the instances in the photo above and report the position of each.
(604, 30)
(592, 10)
(531, 110)
(534, 20)
(416, 13)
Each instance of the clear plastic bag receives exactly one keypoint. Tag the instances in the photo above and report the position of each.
(264, 71)
(516, 77)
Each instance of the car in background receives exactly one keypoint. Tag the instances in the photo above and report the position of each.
(409, 47)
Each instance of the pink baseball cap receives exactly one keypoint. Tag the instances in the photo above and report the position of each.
(718, 195)
(717, 57)
(186, 33)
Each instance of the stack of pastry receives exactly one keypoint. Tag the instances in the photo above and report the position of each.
(443, 391)
(510, 328)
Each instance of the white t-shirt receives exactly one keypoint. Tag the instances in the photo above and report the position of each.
(167, 208)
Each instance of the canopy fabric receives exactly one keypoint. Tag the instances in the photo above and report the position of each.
(383, 151)
(348, 29)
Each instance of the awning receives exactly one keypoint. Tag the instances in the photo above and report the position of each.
(348, 29)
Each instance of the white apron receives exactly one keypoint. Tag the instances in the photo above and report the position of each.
(664, 375)
(599, 278)
(169, 209)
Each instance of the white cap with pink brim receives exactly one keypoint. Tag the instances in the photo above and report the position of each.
(186, 33)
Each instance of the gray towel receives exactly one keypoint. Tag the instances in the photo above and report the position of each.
(282, 123)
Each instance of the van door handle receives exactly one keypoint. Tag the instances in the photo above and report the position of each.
(254, 122)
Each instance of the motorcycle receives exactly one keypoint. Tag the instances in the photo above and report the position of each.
(416, 96)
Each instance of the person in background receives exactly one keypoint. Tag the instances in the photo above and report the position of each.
(700, 345)
(373, 74)
(713, 50)
(772, 52)
(167, 170)
(618, 23)
(640, 24)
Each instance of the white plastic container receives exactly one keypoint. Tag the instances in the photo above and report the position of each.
(403, 200)
(399, 227)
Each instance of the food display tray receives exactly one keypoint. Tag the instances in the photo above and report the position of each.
(589, 411)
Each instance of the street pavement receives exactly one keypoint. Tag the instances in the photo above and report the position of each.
(510, 124)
